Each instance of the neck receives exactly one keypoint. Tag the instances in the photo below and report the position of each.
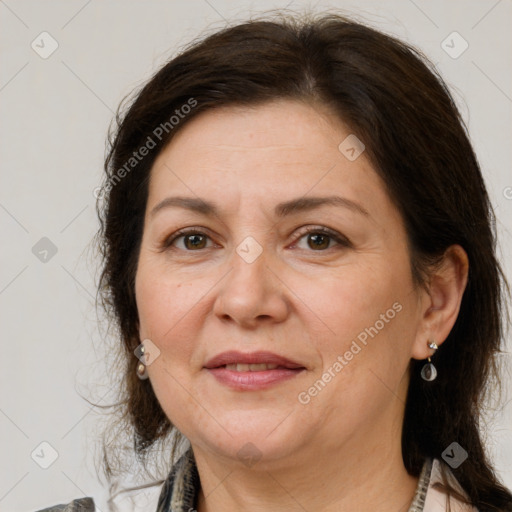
(364, 473)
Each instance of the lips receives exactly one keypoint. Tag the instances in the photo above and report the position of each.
(252, 372)
(253, 361)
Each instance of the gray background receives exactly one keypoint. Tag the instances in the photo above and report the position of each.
(54, 116)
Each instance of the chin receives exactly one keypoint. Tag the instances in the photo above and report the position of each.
(255, 443)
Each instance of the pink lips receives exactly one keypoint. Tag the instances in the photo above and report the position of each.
(252, 380)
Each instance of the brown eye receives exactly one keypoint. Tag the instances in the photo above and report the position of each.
(194, 241)
(320, 239)
(187, 240)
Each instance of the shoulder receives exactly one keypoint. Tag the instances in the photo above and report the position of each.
(143, 498)
(436, 500)
(136, 499)
(79, 505)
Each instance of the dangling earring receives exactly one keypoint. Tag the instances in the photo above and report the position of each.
(429, 372)
(141, 367)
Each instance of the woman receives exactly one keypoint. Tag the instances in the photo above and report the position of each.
(299, 253)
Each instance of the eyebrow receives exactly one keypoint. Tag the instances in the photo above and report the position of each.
(283, 209)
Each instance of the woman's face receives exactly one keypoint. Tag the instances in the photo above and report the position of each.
(289, 246)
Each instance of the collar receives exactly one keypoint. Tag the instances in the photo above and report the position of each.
(179, 492)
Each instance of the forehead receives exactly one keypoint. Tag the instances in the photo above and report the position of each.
(277, 129)
(281, 149)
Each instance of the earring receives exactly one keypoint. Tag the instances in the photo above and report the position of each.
(429, 372)
(141, 367)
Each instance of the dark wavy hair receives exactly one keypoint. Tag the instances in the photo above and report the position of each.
(392, 98)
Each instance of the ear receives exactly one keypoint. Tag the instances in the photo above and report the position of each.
(440, 302)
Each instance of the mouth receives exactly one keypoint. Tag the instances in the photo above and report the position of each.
(253, 371)
(253, 361)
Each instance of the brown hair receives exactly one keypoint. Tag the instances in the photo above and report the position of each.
(395, 102)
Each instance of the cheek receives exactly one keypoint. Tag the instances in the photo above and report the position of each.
(166, 310)
(172, 308)
(354, 299)
(371, 318)
(164, 299)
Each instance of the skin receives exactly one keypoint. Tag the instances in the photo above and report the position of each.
(341, 451)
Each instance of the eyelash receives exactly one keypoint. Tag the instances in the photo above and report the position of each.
(339, 239)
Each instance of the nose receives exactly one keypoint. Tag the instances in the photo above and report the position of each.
(251, 294)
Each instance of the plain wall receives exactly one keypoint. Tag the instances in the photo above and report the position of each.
(54, 115)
